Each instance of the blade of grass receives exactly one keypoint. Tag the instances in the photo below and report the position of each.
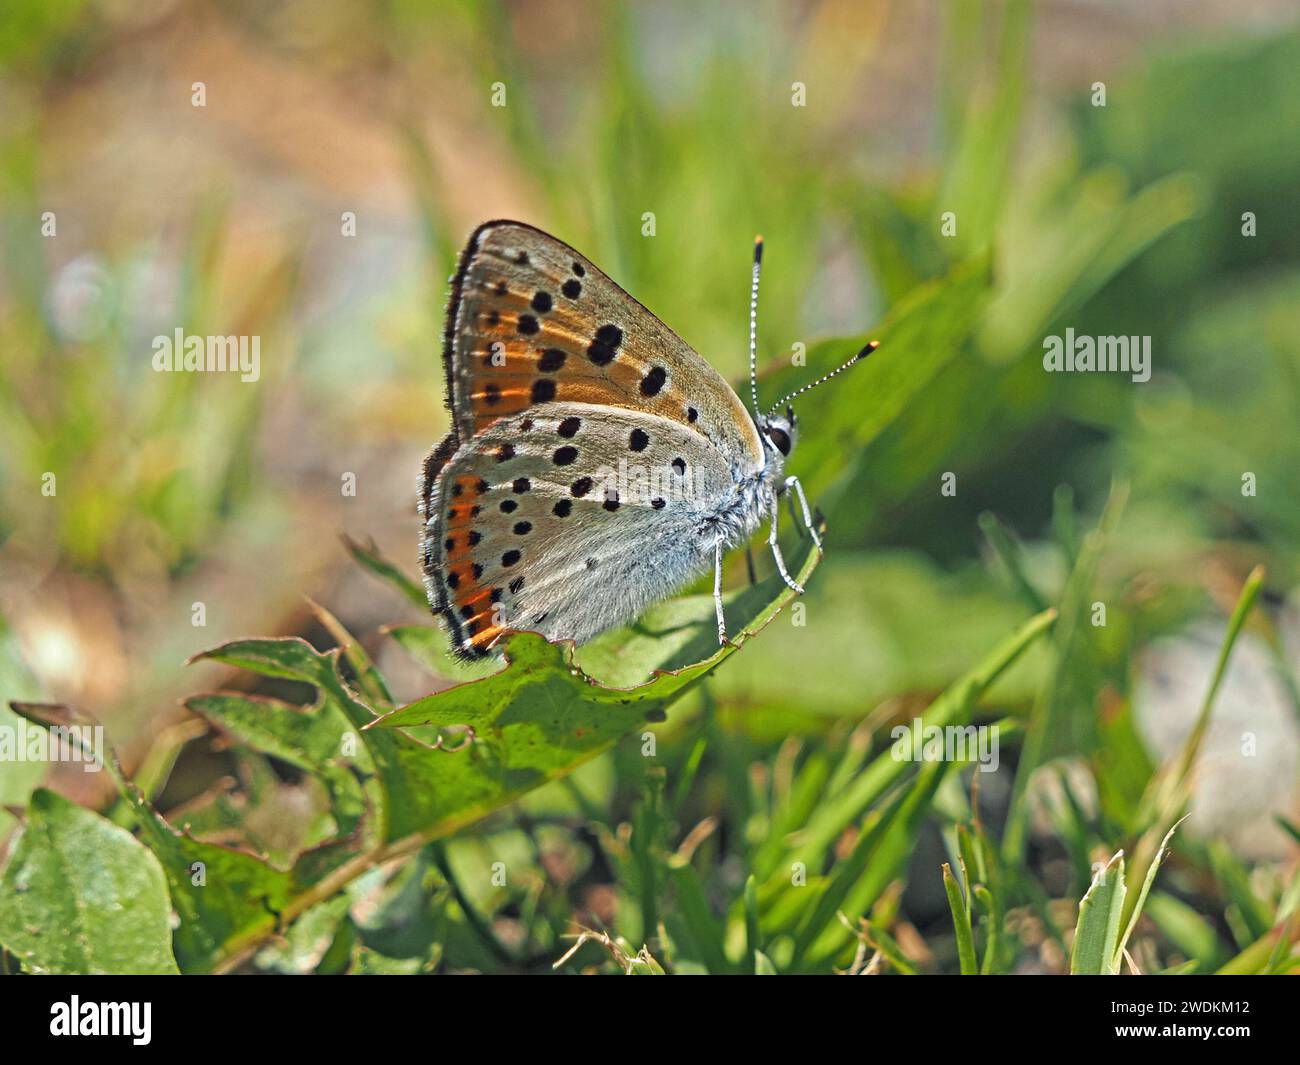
(993, 913)
(1046, 710)
(1009, 553)
(836, 812)
(961, 922)
(705, 930)
(753, 939)
(1097, 931)
(1149, 879)
(1170, 790)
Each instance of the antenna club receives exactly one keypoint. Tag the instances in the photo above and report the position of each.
(758, 248)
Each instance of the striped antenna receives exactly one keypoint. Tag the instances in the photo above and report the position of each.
(867, 350)
(753, 324)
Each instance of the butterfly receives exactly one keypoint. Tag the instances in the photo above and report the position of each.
(596, 463)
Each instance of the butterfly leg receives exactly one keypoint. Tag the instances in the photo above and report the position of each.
(717, 590)
(749, 564)
(776, 551)
(792, 483)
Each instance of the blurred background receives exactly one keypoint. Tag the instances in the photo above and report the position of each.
(1101, 160)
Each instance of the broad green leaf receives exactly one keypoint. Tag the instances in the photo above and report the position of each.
(220, 894)
(81, 895)
(223, 896)
(311, 739)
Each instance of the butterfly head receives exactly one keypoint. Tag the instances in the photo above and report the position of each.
(780, 433)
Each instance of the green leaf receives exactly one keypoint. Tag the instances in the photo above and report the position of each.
(753, 937)
(368, 555)
(81, 895)
(1012, 558)
(370, 683)
(1096, 935)
(960, 921)
(976, 182)
(1191, 748)
(702, 932)
(1257, 956)
(220, 894)
(427, 645)
(993, 913)
(311, 739)
(1190, 933)
(1234, 881)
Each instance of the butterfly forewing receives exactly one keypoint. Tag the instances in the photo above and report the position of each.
(535, 321)
(590, 443)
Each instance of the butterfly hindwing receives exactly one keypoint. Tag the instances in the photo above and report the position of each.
(569, 520)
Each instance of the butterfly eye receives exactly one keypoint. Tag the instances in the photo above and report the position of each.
(781, 439)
